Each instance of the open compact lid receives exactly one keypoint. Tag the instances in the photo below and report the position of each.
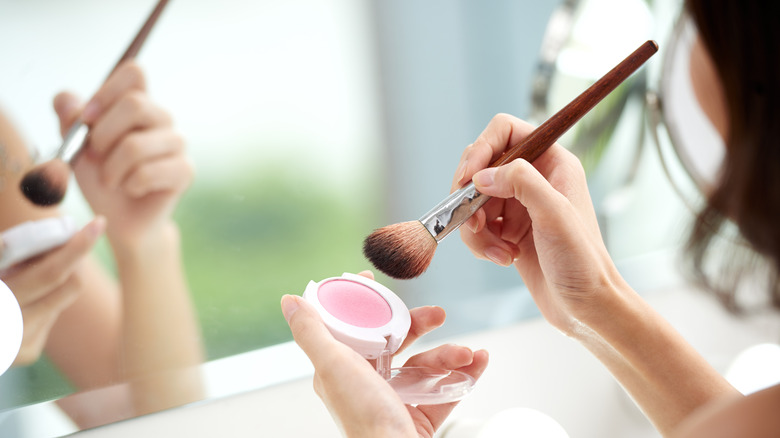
(361, 313)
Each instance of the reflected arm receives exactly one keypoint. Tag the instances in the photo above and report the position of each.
(160, 329)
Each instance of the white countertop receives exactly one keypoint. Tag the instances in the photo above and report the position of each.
(531, 365)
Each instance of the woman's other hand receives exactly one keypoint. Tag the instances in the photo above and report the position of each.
(46, 285)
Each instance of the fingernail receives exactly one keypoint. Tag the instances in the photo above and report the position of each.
(96, 227)
(68, 106)
(91, 111)
(485, 178)
(472, 224)
(498, 256)
(289, 306)
(461, 172)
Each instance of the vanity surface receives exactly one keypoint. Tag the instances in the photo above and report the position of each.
(531, 365)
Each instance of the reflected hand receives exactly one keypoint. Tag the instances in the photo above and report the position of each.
(46, 285)
(540, 219)
(134, 168)
(360, 400)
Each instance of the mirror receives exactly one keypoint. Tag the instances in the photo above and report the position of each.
(278, 102)
(691, 148)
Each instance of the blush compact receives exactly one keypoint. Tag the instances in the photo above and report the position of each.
(374, 322)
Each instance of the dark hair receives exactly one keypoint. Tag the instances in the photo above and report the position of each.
(743, 39)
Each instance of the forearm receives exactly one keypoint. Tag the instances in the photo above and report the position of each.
(161, 338)
(83, 342)
(160, 329)
(664, 374)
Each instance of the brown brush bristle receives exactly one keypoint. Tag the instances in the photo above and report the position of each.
(45, 184)
(402, 250)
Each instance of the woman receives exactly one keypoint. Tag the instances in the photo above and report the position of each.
(99, 331)
(541, 220)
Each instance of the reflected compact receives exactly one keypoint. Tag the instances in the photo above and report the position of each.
(32, 238)
(373, 321)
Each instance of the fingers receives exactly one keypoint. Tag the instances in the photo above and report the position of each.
(39, 317)
(368, 274)
(311, 334)
(68, 108)
(522, 181)
(31, 280)
(488, 245)
(45, 286)
(490, 241)
(306, 327)
(121, 116)
(170, 174)
(127, 77)
(124, 85)
(424, 320)
(146, 161)
(132, 111)
(502, 132)
(438, 413)
(443, 357)
(119, 107)
(492, 232)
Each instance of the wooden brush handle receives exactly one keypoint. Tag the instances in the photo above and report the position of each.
(140, 38)
(548, 132)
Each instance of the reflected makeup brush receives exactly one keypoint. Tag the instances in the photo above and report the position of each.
(406, 249)
(45, 184)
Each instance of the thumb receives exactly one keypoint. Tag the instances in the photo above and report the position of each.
(522, 181)
(68, 108)
(308, 330)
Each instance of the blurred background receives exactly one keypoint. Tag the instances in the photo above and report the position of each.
(313, 122)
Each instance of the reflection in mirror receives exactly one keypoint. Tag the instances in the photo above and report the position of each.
(279, 116)
(97, 329)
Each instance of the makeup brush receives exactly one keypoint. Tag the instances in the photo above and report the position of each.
(45, 184)
(405, 250)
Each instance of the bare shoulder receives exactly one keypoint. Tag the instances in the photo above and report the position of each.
(753, 416)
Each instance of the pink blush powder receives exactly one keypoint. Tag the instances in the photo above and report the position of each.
(354, 303)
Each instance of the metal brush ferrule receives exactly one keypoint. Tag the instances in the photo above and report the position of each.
(73, 142)
(453, 211)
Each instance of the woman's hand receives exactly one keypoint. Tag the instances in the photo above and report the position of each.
(134, 168)
(540, 219)
(46, 285)
(359, 399)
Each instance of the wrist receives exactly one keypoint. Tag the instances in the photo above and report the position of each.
(624, 324)
(612, 314)
(156, 240)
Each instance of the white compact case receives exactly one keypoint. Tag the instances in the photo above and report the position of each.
(373, 321)
(370, 342)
